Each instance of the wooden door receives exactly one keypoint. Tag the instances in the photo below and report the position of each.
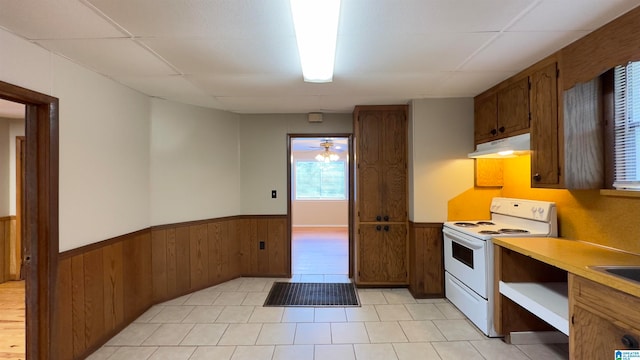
(513, 108)
(394, 167)
(370, 128)
(544, 127)
(596, 337)
(485, 118)
(382, 254)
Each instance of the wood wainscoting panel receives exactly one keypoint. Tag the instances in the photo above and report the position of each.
(113, 275)
(426, 262)
(199, 256)
(137, 270)
(9, 257)
(105, 286)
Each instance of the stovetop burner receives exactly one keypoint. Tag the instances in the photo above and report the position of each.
(488, 232)
(485, 223)
(465, 224)
(513, 231)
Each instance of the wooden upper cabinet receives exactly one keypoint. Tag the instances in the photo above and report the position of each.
(381, 152)
(485, 118)
(545, 170)
(513, 109)
(502, 112)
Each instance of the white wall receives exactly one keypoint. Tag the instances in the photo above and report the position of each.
(104, 156)
(195, 163)
(263, 143)
(5, 174)
(440, 136)
(104, 143)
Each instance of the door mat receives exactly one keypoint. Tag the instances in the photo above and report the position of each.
(312, 294)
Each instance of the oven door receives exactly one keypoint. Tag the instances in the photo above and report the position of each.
(467, 258)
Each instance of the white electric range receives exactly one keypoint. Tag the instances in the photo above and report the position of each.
(468, 252)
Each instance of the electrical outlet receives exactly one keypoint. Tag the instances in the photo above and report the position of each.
(274, 194)
(261, 245)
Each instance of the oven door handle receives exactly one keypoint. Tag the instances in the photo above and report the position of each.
(472, 244)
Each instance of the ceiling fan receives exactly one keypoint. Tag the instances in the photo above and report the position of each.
(327, 155)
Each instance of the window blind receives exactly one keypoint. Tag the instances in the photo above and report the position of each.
(627, 127)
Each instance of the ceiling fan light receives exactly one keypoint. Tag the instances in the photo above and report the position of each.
(316, 27)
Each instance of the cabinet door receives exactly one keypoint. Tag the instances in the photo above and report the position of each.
(544, 127)
(596, 337)
(485, 118)
(394, 166)
(513, 109)
(370, 128)
(382, 253)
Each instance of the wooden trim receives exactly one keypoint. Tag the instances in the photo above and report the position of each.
(41, 216)
(200, 222)
(8, 218)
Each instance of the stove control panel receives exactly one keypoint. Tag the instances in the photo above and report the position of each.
(527, 209)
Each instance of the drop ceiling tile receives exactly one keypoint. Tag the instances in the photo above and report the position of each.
(423, 16)
(470, 84)
(37, 19)
(260, 85)
(402, 85)
(514, 51)
(411, 53)
(235, 56)
(111, 57)
(563, 15)
(198, 18)
(271, 105)
(173, 87)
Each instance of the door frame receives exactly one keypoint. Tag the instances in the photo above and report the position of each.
(20, 156)
(40, 223)
(349, 137)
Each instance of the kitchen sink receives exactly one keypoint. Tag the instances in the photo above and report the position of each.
(631, 272)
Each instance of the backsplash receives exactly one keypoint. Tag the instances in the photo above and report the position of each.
(582, 214)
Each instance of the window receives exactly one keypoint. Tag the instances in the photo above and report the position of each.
(320, 180)
(627, 127)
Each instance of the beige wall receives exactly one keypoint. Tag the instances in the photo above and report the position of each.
(440, 136)
(263, 154)
(104, 143)
(195, 163)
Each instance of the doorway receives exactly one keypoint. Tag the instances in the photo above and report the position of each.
(40, 221)
(12, 285)
(319, 207)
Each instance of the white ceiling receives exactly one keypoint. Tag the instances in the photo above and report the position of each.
(240, 55)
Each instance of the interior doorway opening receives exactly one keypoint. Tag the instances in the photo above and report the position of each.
(320, 193)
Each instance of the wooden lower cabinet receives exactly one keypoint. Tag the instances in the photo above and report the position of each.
(382, 254)
(426, 261)
(602, 320)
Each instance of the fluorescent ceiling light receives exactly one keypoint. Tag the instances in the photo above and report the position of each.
(316, 25)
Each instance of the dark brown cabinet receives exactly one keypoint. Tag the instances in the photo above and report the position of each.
(545, 170)
(381, 194)
(602, 320)
(502, 112)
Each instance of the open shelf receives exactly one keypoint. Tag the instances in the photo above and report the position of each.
(548, 301)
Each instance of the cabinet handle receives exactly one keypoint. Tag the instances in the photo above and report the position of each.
(386, 218)
(502, 129)
(494, 131)
(537, 177)
(378, 228)
(629, 342)
(386, 228)
(378, 218)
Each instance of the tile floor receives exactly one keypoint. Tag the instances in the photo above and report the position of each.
(228, 321)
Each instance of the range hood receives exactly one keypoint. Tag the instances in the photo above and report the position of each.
(503, 148)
